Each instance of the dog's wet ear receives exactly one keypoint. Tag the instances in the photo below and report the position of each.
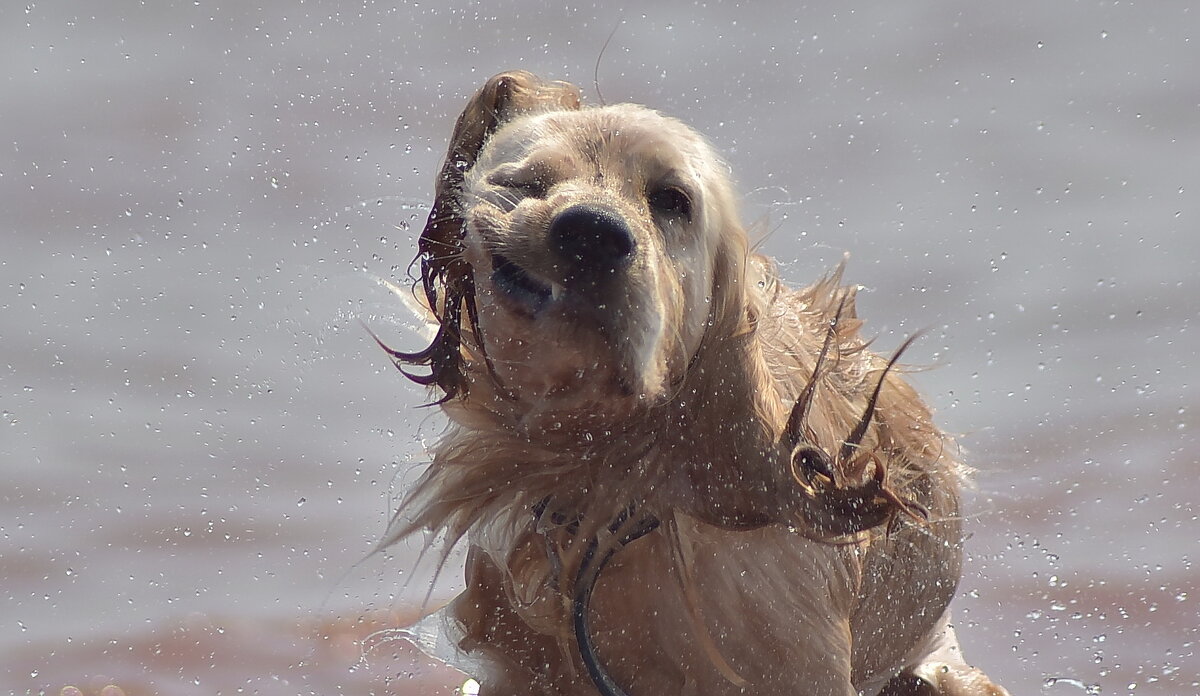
(501, 99)
(445, 275)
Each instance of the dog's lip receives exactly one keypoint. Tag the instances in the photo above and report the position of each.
(519, 286)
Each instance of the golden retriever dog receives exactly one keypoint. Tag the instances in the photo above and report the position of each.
(675, 475)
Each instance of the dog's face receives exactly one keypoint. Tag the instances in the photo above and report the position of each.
(593, 237)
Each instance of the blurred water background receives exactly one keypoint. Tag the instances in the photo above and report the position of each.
(200, 445)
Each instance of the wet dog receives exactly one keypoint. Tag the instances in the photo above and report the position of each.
(675, 474)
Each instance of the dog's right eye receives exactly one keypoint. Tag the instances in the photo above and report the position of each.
(528, 184)
(532, 188)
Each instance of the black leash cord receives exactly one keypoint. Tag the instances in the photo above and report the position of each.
(585, 582)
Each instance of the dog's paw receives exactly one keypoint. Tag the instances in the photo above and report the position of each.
(940, 679)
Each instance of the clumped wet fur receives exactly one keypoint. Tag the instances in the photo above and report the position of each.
(769, 501)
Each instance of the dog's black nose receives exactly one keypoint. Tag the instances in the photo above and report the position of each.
(593, 242)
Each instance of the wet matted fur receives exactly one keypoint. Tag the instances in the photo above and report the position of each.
(632, 391)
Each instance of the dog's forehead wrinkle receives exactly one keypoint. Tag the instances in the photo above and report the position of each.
(631, 128)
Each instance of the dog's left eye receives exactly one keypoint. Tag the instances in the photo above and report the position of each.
(670, 201)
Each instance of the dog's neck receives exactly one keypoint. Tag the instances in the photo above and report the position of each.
(725, 432)
(692, 452)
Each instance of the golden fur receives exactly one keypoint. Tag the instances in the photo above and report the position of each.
(809, 537)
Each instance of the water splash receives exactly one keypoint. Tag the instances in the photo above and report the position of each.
(1089, 689)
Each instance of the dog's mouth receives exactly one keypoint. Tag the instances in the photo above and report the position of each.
(565, 334)
(519, 287)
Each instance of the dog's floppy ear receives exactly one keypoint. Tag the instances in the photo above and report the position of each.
(445, 275)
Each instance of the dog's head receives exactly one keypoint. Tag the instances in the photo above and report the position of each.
(587, 247)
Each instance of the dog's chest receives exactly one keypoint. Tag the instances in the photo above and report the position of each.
(768, 604)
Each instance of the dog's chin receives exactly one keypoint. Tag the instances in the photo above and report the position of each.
(561, 349)
(520, 291)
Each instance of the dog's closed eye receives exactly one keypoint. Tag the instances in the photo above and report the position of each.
(532, 180)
